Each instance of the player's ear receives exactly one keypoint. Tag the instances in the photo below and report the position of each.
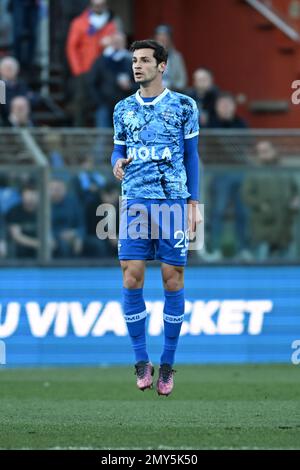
(162, 67)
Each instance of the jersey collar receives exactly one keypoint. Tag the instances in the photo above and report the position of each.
(157, 99)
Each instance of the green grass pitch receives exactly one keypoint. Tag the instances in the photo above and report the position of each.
(212, 407)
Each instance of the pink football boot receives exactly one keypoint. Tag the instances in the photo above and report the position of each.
(144, 372)
(165, 382)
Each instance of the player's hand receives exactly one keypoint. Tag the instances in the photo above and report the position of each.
(119, 168)
(194, 218)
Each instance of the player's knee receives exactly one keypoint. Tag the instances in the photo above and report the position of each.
(133, 277)
(173, 278)
(172, 285)
(131, 282)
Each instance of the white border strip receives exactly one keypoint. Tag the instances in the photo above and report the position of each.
(190, 136)
(151, 103)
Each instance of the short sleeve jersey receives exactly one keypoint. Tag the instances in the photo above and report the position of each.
(154, 135)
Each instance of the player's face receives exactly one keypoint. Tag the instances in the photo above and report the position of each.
(144, 65)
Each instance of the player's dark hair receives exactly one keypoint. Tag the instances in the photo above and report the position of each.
(160, 53)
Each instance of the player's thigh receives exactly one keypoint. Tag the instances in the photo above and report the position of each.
(172, 276)
(133, 273)
(172, 244)
(135, 241)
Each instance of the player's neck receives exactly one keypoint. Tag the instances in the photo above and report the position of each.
(152, 90)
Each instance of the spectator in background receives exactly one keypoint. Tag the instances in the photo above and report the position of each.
(225, 115)
(88, 184)
(23, 224)
(175, 75)
(9, 198)
(111, 79)
(25, 16)
(226, 185)
(9, 195)
(64, 13)
(67, 221)
(273, 200)
(20, 113)
(88, 181)
(53, 143)
(109, 194)
(5, 27)
(205, 93)
(9, 73)
(86, 41)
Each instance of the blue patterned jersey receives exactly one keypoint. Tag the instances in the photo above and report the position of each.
(154, 134)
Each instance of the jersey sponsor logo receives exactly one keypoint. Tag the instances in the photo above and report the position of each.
(96, 319)
(149, 154)
(147, 135)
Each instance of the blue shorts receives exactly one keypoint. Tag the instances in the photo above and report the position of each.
(154, 229)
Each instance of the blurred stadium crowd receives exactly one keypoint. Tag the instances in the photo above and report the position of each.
(247, 218)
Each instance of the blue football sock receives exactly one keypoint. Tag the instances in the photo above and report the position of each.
(135, 315)
(173, 318)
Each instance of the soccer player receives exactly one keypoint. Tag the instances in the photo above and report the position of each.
(156, 158)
